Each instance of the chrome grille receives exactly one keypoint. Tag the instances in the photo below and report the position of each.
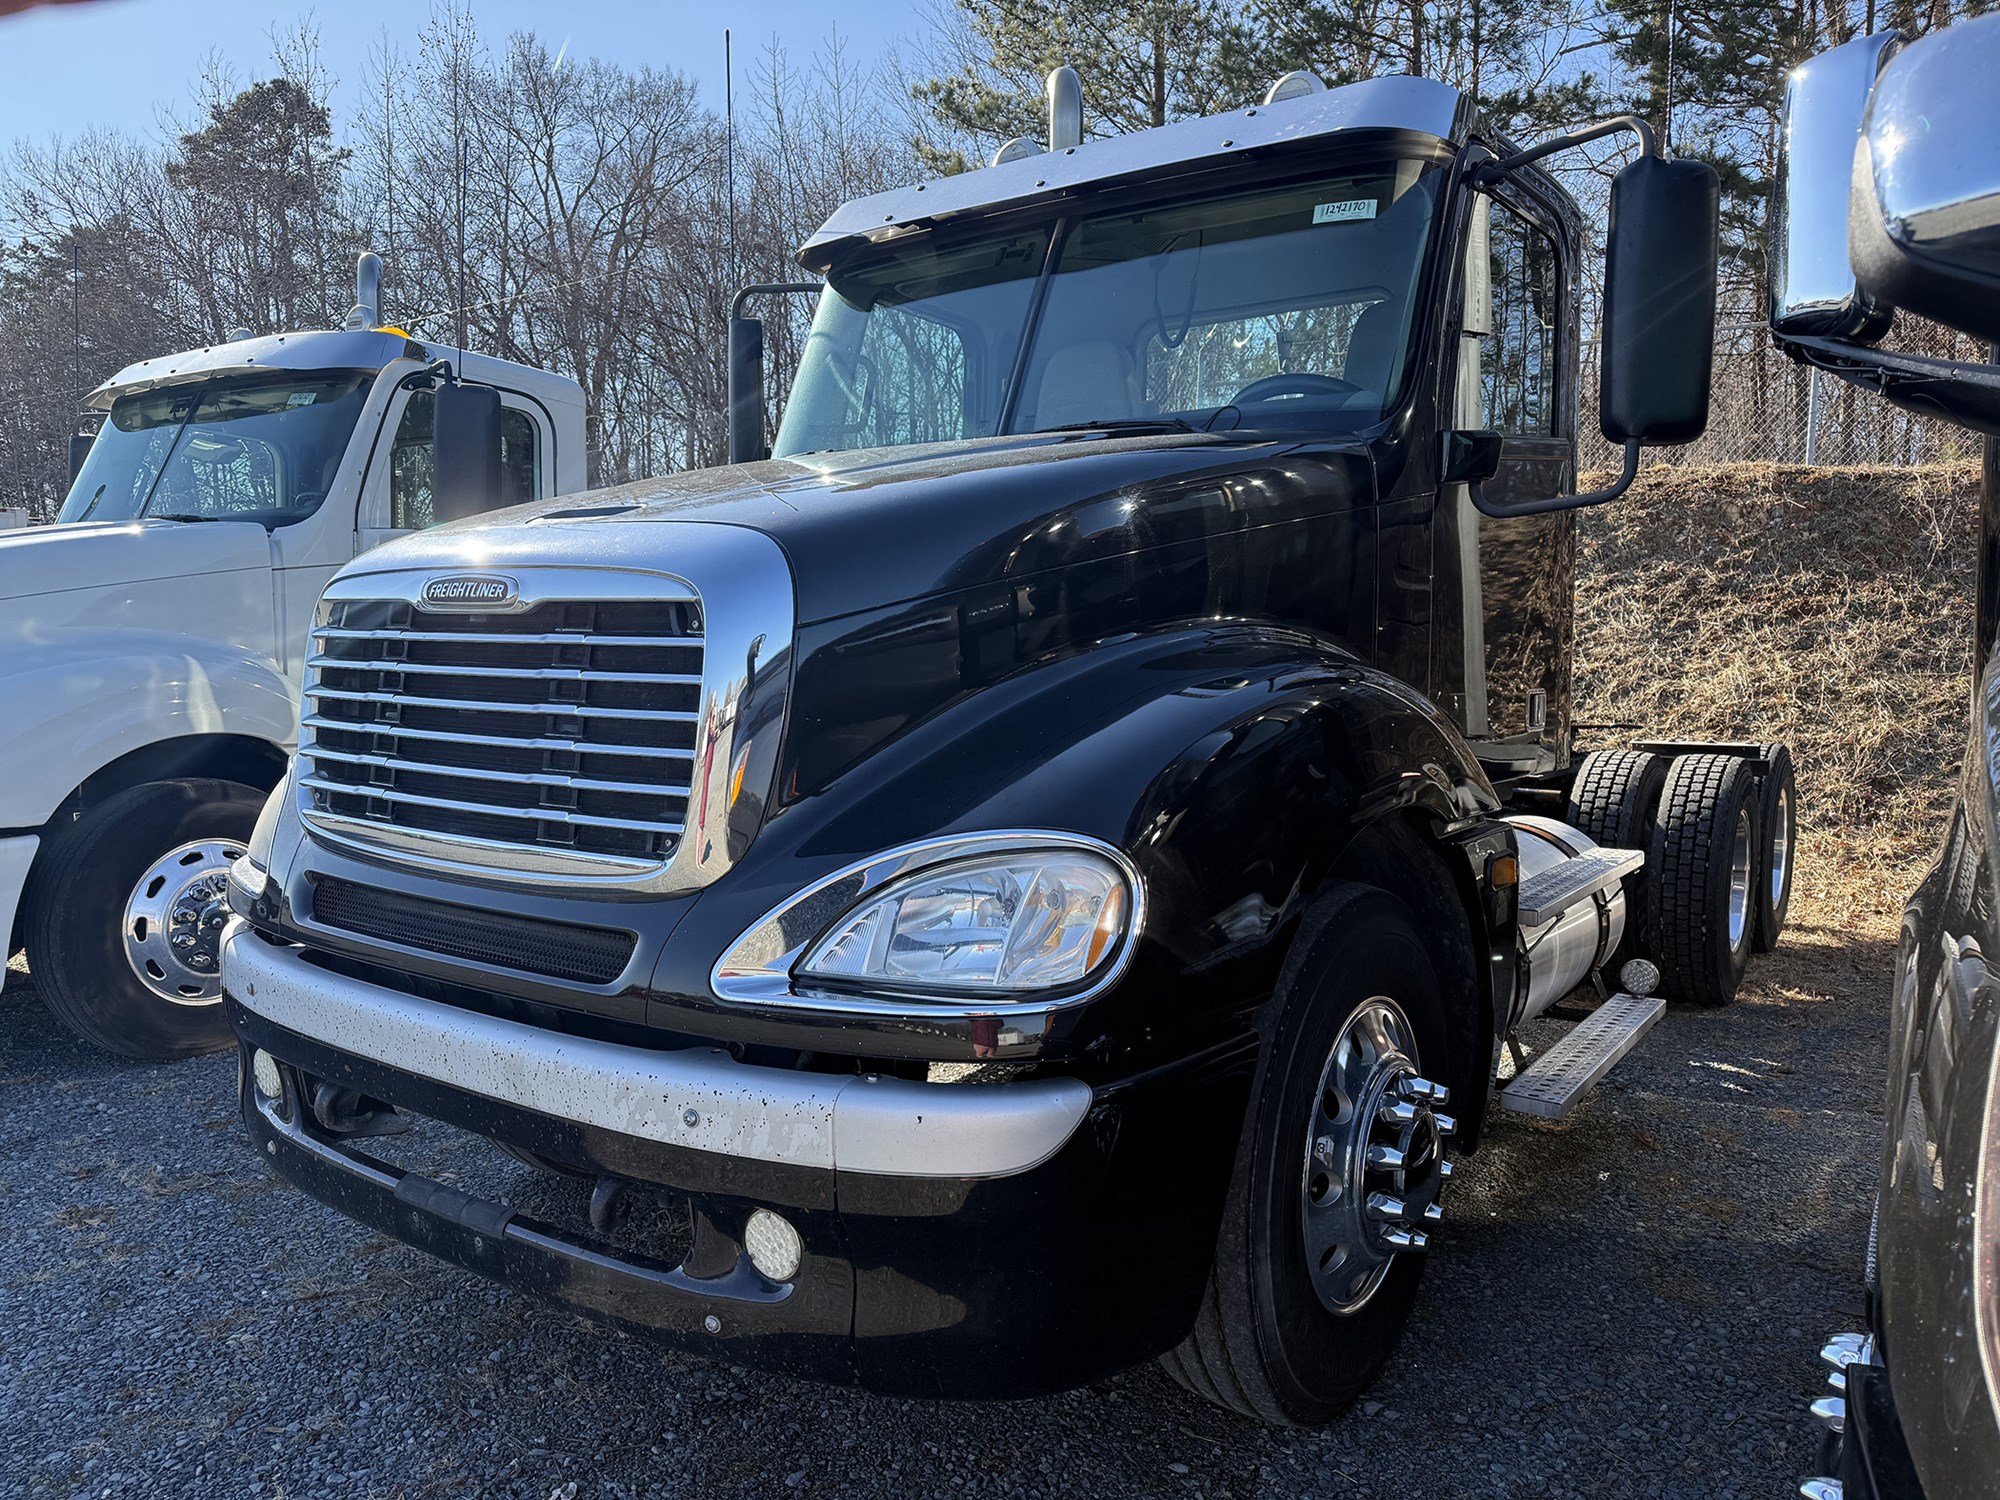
(564, 727)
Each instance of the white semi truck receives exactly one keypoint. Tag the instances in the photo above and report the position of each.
(152, 641)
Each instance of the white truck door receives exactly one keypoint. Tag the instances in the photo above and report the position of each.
(396, 496)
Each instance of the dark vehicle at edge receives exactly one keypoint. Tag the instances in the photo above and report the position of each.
(1888, 201)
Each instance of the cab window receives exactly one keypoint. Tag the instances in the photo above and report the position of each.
(411, 462)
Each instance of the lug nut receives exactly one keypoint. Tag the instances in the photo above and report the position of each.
(1388, 1158)
(1382, 1206)
(1822, 1489)
(1831, 1413)
(1445, 1124)
(1444, 1171)
(1845, 1349)
(1412, 1087)
(1397, 1114)
(1838, 1380)
(1408, 1239)
(1433, 1214)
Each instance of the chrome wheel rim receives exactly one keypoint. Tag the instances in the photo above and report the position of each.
(1781, 849)
(1374, 1158)
(1741, 881)
(174, 919)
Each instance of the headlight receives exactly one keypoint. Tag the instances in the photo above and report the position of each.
(1032, 921)
(967, 923)
(249, 877)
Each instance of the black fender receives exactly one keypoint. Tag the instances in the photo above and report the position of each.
(1234, 762)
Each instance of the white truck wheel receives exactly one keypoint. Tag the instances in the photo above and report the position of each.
(125, 913)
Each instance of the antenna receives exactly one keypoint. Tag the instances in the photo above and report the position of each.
(76, 311)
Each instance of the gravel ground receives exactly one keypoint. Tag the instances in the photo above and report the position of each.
(1629, 1304)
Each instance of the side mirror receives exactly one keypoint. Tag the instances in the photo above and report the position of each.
(465, 450)
(1471, 456)
(1923, 228)
(746, 389)
(1659, 301)
(79, 450)
(1814, 293)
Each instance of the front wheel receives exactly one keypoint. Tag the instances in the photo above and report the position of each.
(125, 917)
(1338, 1174)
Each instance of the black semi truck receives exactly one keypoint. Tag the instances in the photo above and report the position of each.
(1888, 204)
(1030, 861)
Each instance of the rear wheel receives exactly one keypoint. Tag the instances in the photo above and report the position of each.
(1703, 856)
(1778, 806)
(1614, 799)
(1338, 1174)
(125, 917)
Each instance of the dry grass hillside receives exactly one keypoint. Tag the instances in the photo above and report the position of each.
(1830, 608)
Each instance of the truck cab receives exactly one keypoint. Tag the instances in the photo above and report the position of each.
(153, 640)
(1026, 856)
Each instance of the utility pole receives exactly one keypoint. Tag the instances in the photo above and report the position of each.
(729, 146)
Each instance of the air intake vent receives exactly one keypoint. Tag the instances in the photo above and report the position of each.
(528, 945)
(567, 728)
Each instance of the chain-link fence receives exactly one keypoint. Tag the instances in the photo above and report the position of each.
(1767, 407)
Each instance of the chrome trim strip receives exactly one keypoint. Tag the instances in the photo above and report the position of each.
(490, 637)
(403, 732)
(757, 968)
(477, 706)
(494, 809)
(478, 773)
(423, 848)
(699, 1098)
(532, 674)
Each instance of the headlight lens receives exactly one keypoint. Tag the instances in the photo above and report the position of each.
(1034, 920)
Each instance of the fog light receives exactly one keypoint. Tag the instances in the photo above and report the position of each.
(773, 1244)
(264, 1068)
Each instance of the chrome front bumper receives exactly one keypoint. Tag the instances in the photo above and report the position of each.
(699, 1099)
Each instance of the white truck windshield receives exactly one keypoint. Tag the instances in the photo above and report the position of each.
(1284, 308)
(234, 449)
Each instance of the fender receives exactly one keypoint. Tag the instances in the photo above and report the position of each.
(1233, 761)
(82, 698)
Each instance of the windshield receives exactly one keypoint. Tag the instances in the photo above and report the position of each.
(1282, 308)
(263, 450)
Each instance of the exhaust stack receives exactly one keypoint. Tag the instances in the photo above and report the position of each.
(367, 309)
(1065, 92)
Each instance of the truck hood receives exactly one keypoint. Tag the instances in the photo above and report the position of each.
(112, 556)
(877, 527)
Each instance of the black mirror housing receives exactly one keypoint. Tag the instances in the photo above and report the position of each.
(1471, 456)
(466, 451)
(746, 390)
(79, 450)
(1659, 301)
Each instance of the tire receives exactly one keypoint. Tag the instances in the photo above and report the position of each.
(1703, 858)
(1777, 847)
(1614, 799)
(1265, 1344)
(101, 870)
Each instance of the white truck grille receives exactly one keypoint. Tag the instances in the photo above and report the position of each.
(568, 729)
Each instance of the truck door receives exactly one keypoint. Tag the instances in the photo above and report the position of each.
(1515, 363)
(396, 496)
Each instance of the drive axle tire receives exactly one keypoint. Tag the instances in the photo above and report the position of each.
(1615, 795)
(1337, 1173)
(1703, 856)
(1777, 846)
(1614, 799)
(125, 913)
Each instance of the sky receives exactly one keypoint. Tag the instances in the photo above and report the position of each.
(66, 68)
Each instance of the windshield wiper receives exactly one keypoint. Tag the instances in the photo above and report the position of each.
(161, 515)
(1122, 424)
